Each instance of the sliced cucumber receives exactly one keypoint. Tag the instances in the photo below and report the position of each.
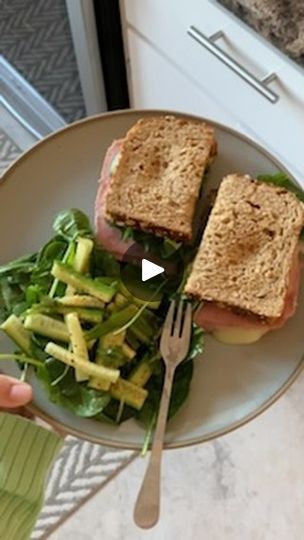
(141, 374)
(82, 301)
(120, 300)
(112, 340)
(82, 258)
(99, 384)
(129, 393)
(79, 346)
(46, 326)
(128, 351)
(91, 369)
(91, 315)
(98, 289)
(14, 328)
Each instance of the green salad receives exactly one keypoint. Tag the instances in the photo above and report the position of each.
(92, 345)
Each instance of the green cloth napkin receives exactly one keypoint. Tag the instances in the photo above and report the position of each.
(27, 452)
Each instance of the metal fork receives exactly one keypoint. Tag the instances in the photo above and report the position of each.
(174, 345)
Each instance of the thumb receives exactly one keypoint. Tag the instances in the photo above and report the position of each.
(14, 393)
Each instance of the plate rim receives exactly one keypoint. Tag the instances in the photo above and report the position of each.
(34, 409)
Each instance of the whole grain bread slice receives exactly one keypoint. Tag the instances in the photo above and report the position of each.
(156, 184)
(248, 246)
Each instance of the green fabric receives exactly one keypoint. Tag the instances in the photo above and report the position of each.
(27, 452)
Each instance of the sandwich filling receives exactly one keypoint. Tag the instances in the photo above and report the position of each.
(156, 183)
(247, 269)
(229, 326)
(109, 237)
(145, 198)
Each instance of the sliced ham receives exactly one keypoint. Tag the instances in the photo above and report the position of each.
(108, 236)
(212, 318)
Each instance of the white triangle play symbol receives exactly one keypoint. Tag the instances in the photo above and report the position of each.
(150, 270)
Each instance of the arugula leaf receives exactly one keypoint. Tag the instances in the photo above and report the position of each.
(69, 224)
(282, 180)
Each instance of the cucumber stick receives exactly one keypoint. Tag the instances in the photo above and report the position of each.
(141, 374)
(79, 346)
(13, 327)
(120, 300)
(92, 315)
(91, 369)
(65, 273)
(111, 340)
(99, 384)
(128, 351)
(81, 301)
(46, 326)
(82, 259)
(129, 393)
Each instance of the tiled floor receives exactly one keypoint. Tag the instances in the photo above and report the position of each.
(248, 485)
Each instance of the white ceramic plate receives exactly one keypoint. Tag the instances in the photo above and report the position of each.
(231, 385)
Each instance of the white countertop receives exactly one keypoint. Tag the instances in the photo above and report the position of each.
(248, 485)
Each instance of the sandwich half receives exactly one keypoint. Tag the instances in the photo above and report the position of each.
(151, 179)
(247, 271)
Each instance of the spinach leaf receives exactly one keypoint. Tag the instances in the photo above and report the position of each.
(103, 263)
(181, 383)
(24, 265)
(111, 411)
(180, 391)
(157, 245)
(69, 224)
(197, 342)
(68, 393)
(282, 180)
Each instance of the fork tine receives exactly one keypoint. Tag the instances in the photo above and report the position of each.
(186, 329)
(178, 320)
(167, 328)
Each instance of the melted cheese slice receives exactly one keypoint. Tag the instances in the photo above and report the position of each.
(239, 336)
(114, 164)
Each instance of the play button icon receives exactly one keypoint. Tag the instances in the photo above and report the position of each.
(146, 276)
(150, 270)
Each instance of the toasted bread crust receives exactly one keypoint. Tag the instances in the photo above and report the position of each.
(247, 249)
(158, 178)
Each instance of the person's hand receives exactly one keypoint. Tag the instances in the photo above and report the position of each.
(14, 393)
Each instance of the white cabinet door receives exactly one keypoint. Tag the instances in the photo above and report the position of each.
(157, 84)
(164, 25)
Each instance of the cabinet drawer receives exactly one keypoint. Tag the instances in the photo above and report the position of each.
(166, 24)
(156, 84)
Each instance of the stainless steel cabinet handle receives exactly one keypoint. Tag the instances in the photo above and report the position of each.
(241, 71)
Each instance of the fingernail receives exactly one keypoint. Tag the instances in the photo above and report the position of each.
(21, 393)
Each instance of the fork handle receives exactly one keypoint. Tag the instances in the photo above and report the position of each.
(147, 506)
